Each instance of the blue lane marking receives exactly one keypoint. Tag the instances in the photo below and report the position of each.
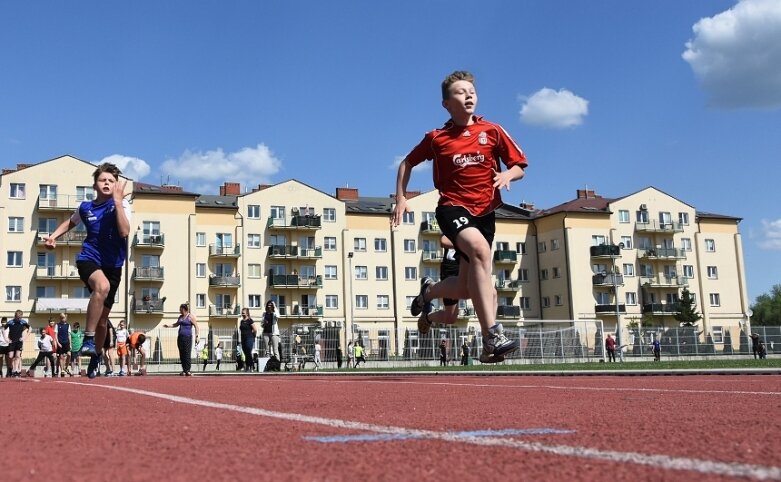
(383, 437)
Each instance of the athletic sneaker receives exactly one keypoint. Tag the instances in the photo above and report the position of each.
(419, 304)
(109, 373)
(93, 369)
(121, 373)
(424, 324)
(495, 345)
(88, 348)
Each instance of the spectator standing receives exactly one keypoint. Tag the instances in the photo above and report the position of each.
(350, 355)
(187, 325)
(465, 353)
(17, 330)
(4, 348)
(77, 338)
(239, 358)
(248, 330)
(63, 338)
(317, 356)
(45, 352)
(204, 356)
(51, 330)
(122, 351)
(610, 347)
(755, 345)
(359, 355)
(443, 353)
(218, 355)
(271, 329)
(657, 345)
(109, 348)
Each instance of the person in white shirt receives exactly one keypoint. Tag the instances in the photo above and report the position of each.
(122, 349)
(317, 356)
(4, 348)
(218, 355)
(45, 351)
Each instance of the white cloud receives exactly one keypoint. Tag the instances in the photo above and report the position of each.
(556, 109)
(132, 167)
(736, 55)
(206, 171)
(771, 235)
(423, 166)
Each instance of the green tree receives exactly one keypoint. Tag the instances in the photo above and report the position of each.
(767, 308)
(687, 314)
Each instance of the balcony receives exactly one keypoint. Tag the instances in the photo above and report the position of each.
(70, 238)
(508, 312)
(60, 305)
(227, 311)
(607, 280)
(57, 273)
(220, 251)
(609, 309)
(297, 221)
(431, 256)
(301, 311)
(289, 251)
(61, 202)
(148, 306)
(663, 281)
(505, 257)
(611, 251)
(661, 308)
(508, 285)
(225, 281)
(155, 241)
(295, 281)
(430, 227)
(661, 253)
(148, 273)
(658, 227)
(466, 312)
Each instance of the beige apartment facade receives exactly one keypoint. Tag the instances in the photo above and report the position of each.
(335, 261)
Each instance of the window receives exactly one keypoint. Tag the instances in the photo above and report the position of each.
(48, 192)
(525, 302)
(409, 245)
(13, 293)
(380, 245)
(603, 298)
(381, 273)
(623, 216)
(361, 272)
(631, 298)
(410, 273)
(47, 225)
(81, 292)
(253, 241)
(224, 240)
(686, 244)
(359, 244)
(329, 243)
(629, 269)
(665, 218)
(383, 302)
(17, 191)
(556, 273)
(542, 247)
(253, 301)
(646, 271)
(408, 217)
(361, 302)
(557, 300)
(14, 259)
(253, 211)
(330, 271)
(683, 218)
(430, 272)
(200, 239)
(15, 225)
(710, 245)
(520, 248)
(200, 270)
(688, 271)
(44, 292)
(546, 301)
(554, 244)
(200, 300)
(523, 274)
(715, 299)
(718, 334)
(329, 215)
(331, 302)
(253, 270)
(85, 193)
(713, 272)
(409, 300)
(598, 240)
(644, 242)
(627, 242)
(642, 217)
(544, 274)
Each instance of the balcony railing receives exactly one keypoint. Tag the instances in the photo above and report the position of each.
(508, 285)
(662, 253)
(430, 227)
(296, 222)
(658, 227)
(295, 281)
(508, 311)
(289, 251)
(607, 280)
(71, 237)
(300, 310)
(466, 312)
(61, 202)
(225, 251)
(228, 311)
(664, 281)
(59, 305)
(148, 306)
(56, 272)
(605, 251)
(662, 308)
(148, 273)
(610, 308)
(149, 240)
(432, 256)
(505, 257)
(225, 281)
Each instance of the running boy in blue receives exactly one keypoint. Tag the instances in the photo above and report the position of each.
(103, 253)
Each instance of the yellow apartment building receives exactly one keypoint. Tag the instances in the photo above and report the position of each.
(335, 261)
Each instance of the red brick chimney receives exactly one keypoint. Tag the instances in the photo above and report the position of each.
(171, 188)
(587, 194)
(527, 206)
(230, 189)
(346, 193)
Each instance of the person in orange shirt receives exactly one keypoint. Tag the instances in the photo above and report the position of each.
(136, 346)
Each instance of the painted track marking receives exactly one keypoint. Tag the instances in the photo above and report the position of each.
(471, 433)
(656, 461)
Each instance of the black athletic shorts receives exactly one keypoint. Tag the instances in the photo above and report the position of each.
(63, 349)
(113, 275)
(454, 219)
(4, 350)
(447, 269)
(15, 346)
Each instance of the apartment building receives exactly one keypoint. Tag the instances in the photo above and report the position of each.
(335, 261)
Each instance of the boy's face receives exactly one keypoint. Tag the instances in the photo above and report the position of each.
(462, 99)
(105, 183)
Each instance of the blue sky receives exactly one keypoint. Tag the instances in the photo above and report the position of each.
(613, 95)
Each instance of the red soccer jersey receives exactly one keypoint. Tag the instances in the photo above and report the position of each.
(465, 158)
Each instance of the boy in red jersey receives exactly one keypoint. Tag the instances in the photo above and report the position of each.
(466, 154)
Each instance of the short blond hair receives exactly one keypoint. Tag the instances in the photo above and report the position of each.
(453, 78)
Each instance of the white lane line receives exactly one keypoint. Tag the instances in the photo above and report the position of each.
(657, 461)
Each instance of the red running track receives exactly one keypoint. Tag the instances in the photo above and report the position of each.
(366, 428)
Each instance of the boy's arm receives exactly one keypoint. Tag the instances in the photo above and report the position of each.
(64, 227)
(504, 178)
(123, 218)
(402, 179)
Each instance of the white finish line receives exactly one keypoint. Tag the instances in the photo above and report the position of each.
(657, 461)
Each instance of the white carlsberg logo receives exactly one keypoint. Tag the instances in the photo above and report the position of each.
(467, 160)
(482, 138)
